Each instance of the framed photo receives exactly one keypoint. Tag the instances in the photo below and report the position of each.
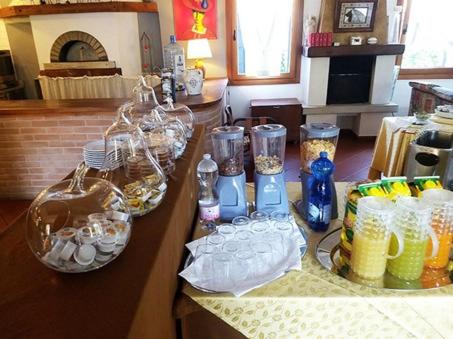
(354, 16)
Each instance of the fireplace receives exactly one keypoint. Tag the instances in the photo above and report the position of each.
(350, 79)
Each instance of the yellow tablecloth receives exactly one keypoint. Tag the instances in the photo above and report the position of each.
(316, 303)
(392, 143)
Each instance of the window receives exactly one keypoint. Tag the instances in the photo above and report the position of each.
(428, 36)
(263, 41)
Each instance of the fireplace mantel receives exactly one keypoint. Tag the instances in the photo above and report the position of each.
(350, 50)
(90, 7)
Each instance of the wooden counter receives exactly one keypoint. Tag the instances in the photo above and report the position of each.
(130, 297)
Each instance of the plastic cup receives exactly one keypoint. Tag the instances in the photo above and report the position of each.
(227, 230)
(241, 221)
(260, 227)
(259, 215)
(264, 258)
(215, 239)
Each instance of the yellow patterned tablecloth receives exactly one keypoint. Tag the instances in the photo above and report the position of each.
(316, 303)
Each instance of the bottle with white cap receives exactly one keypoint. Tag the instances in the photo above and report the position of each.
(208, 200)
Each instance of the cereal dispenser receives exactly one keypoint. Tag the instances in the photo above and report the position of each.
(228, 145)
(269, 154)
(314, 139)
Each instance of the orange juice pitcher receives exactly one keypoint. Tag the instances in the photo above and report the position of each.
(441, 202)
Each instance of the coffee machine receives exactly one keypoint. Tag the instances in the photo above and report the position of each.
(269, 143)
(228, 143)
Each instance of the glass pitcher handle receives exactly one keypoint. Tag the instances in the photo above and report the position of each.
(400, 239)
(76, 184)
(434, 241)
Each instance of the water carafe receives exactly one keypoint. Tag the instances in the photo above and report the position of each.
(208, 200)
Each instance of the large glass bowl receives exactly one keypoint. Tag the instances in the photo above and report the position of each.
(78, 225)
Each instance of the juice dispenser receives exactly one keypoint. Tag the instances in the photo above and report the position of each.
(269, 154)
(228, 145)
(314, 139)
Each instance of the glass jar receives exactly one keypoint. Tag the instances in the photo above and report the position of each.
(78, 225)
(180, 112)
(228, 149)
(269, 148)
(316, 138)
(129, 165)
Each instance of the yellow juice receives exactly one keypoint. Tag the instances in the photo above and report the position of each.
(441, 259)
(369, 256)
(409, 265)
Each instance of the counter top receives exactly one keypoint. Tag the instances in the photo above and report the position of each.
(131, 297)
(213, 91)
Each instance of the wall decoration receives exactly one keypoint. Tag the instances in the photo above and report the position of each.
(195, 19)
(355, 16)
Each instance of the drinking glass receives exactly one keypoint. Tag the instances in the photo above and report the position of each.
(285, 228)
(413, 220)
(373, 227)
(222, 266)
(244, 236)
(247, 258)
(260, 227)
(215, 239)
(278, 243)
(241, 221)
(280, 216)
(227, 230)
(203, 260)
(231, 246)
(259, 215)
(441, 201)
(264, 258)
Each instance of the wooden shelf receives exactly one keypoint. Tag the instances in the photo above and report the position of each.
(348, 50)
(114, 6)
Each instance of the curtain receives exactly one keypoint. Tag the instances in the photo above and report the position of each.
(265, 27)
(91, 87)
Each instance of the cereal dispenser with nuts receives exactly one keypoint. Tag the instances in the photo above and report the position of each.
(269, 143)
(228, 145)
(314, 139)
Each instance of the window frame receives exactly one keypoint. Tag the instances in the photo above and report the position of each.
(417, 73)
(292, 77)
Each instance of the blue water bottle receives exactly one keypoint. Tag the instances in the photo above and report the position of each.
(320, 194)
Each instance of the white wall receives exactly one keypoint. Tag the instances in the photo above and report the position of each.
(4, 43)
(118, 33)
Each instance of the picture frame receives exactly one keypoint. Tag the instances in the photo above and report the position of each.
(354, 15)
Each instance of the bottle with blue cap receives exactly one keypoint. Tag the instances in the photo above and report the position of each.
(208, 200)
(320, 194)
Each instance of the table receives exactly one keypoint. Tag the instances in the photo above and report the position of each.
(317, 303)
(131, 297)
(395, 135)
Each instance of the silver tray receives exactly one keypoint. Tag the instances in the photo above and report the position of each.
(303, 251)
(328, 255)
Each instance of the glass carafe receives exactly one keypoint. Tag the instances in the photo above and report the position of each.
(129, 165)
(441, 202)
(413, 220)
(78, 225)
(372, 231)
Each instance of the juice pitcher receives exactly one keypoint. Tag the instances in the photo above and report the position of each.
(441, 202)
(413, 220)
(372, 231)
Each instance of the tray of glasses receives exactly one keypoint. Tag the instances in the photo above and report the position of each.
(303, 250)
(328, 254)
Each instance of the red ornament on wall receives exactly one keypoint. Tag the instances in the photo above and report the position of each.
(195, 19)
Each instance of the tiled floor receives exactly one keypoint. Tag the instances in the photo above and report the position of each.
(352, 161)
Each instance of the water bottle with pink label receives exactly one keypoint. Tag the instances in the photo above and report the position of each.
(208, 200)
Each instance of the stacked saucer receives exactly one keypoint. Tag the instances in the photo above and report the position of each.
(94, 155)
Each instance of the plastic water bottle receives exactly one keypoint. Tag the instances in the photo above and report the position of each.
(174, 59)
(320, 194)
(208, 200)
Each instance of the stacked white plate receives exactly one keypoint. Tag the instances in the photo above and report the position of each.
(443, 114)
(94, 155)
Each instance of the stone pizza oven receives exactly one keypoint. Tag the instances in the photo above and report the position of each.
(77, 46)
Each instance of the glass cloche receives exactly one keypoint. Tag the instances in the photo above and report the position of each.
(129, 165)
(78, 225)
(180, 112)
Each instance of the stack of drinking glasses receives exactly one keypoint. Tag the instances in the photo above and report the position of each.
(245, 254)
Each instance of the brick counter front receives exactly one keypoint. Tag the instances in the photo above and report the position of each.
(38, 150)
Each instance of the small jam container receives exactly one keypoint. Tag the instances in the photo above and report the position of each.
(54, 254)
(123, 231)
(85, 254)
(68, 250)
(108, 240)
(156, 197)
(88, 235)
(115, 215)
(103, 256)
(97, 217)
(67, 234)
(105, 223)
(162, 187)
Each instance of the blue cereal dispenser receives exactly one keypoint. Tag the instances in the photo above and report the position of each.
(269, 143)
(228, 143)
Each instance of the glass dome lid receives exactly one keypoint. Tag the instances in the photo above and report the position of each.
(78, 225)
(180, 112)
(129, 164)
(143, 100)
